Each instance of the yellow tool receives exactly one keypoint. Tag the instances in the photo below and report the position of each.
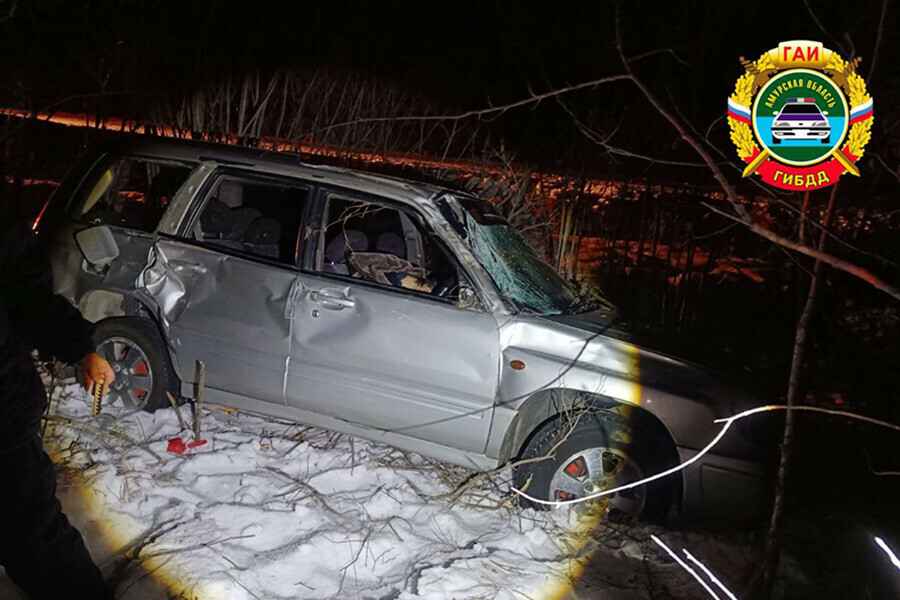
(98, 397)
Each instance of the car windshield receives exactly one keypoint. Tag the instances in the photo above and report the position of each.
(800, 109)
(519, 273)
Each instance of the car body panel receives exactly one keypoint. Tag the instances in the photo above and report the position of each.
(394, 361)
(415, 372)
(208, 312)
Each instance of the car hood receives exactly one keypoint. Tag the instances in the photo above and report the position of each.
(671, 364)
(655, 342)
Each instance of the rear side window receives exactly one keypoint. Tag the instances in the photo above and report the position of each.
(260, 218)
(130, 192)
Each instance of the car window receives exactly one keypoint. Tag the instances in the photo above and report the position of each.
(800, 109)
(255, 217)
(130, 192)
(385, 246)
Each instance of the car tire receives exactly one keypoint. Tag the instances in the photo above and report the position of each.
(631, 456)
(136, 351)
(775, 141)
(827, 140)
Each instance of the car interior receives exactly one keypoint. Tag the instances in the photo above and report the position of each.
(132, 193)
(260, 219)
(385, 246)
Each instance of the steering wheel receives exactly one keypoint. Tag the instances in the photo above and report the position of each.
(444, 286)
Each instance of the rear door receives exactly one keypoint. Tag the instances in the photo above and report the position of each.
(379, 338)
(129, 194)
(222, 285)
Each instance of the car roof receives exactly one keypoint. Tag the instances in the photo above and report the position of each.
(280, 163)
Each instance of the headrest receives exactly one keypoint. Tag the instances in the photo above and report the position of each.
(349, 239)
(391, 243)
(263, 230)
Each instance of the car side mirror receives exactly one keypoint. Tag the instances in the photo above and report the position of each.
(98, 246)
(467, 297)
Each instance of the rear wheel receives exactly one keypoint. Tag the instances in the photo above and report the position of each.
(138, 355)
(601, 452)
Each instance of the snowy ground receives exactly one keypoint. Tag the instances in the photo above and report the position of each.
(270, 509)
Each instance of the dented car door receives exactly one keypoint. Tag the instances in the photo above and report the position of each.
(222, 284)
(387, 357)
(226, 311)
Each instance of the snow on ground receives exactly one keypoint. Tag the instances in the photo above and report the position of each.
(271, 509)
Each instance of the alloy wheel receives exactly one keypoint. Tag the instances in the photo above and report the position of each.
(594, 470)
(134, 378)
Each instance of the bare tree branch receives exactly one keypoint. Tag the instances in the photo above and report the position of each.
(731, 194)
(492, 111)
(668, 51)
(837, 263)
(604, 143)
(11, 12)
(878, 37)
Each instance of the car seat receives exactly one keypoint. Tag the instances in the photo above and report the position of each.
(263, 237)
(349, 240)
(241, 219)
(215, 220)
(391, 243)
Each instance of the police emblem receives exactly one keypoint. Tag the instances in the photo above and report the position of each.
(800, 116)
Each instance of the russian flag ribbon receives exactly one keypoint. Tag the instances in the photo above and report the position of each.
(738, 112)
(861, 112)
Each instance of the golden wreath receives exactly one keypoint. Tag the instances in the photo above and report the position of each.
(842, 72)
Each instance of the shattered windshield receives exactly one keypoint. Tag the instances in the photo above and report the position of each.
(519, 273)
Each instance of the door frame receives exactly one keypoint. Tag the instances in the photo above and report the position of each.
(192, 213)
(315, 227)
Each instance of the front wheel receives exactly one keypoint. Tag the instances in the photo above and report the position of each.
(139, 357)
(602, 451)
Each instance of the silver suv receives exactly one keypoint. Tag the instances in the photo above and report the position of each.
(392, 310)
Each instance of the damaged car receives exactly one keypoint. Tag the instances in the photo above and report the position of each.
(396, 311)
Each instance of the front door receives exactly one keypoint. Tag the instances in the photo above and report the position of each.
(222, 287)
(379, 338)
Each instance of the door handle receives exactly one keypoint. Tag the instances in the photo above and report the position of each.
(184, 265)
(331, 299)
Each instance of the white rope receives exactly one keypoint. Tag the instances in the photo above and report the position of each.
(685, 566)
(709, 574)
(888, 551)
(728, 422)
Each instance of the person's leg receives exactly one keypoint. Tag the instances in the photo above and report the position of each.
(40, 550)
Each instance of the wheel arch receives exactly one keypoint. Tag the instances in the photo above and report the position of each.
(101, 305)
(548, 405)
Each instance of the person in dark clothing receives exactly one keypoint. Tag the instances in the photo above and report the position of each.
(40, 550)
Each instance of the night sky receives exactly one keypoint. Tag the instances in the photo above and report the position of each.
(457, 55)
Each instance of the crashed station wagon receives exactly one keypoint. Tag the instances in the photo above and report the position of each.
(396, 311)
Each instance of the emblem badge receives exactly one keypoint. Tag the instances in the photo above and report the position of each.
(800, 116)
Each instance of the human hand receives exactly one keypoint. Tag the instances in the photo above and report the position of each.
(96, 370)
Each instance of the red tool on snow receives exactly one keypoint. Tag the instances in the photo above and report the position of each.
(177, 445)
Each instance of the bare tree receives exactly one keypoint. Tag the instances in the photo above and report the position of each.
(741, 215)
